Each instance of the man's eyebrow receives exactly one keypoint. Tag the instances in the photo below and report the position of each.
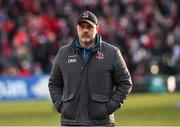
(87, 25)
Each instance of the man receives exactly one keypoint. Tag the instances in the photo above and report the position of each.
(89, 79)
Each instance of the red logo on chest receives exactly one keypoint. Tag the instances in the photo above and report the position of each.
(99, 55)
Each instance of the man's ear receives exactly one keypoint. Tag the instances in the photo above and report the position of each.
(97, 28)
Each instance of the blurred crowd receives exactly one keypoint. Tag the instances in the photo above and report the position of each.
(146, 31)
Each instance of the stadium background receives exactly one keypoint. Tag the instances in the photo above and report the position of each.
(146, 31)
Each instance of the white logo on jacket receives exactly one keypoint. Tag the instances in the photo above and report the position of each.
(72, 60)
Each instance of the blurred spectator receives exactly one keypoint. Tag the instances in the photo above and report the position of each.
(31, 31)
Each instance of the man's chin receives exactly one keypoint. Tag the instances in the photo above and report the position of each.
(86, 40)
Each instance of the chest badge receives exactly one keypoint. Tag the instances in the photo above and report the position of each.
(72, 59)
(100, 55)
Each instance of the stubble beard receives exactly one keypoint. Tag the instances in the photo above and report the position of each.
(86, 39)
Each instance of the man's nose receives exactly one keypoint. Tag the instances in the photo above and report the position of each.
(85, 29)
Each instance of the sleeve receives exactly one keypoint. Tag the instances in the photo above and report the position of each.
(122, 81)
(56, 83)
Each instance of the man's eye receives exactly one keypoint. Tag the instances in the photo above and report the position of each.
(89, 27)
(82, 27)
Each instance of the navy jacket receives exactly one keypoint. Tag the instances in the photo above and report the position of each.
(97, 86)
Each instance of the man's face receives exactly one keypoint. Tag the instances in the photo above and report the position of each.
(86, 31)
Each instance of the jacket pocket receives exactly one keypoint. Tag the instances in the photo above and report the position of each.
(98, 106)
(58, 105)
(69, 105)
